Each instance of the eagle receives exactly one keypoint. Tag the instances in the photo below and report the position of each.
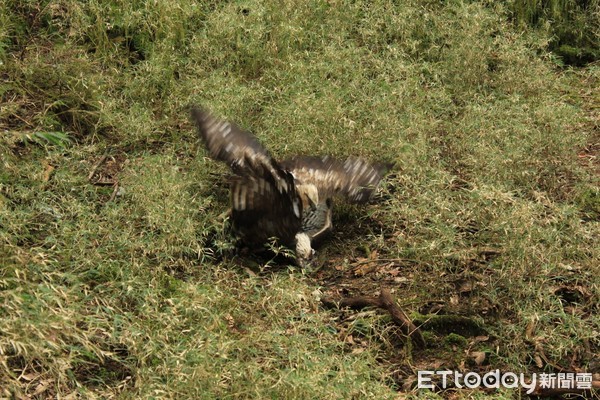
(290, 200)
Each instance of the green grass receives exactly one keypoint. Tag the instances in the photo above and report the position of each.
(134, 293)
(574, 26)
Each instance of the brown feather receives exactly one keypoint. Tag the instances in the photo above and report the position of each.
(240, 150)
(260, 212)
(265, 195)
(264, 199)
(355, 179)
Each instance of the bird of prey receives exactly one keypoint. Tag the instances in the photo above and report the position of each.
(290, 200)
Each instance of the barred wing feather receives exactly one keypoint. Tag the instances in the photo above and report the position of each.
(239, 149)
(264, 200)
(260, 212)
(355, 179)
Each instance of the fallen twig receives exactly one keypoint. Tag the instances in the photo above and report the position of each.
(114, 192)
(383, 260)
(96, 166)
(385, 301)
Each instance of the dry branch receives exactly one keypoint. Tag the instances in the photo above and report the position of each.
(385, 301)
(96, 166)
(114, 192)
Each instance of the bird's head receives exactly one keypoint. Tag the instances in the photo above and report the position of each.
(304, 251)
(309, 195)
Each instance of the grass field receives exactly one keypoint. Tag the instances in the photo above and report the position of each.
(117, 277)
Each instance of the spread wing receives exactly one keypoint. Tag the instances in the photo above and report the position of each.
(264, 200)
(240, 150)
(355, 179)
(260, 212)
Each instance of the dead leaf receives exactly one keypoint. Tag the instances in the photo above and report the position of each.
(48, 169)
(530, 329)
(71, 396)
(42, 387)
(29, 377)
(407, 385)
(366, 268)
(538, 361)
(454, 300)
(466, 287)
(393, 271)
(478, 356)
(230, 320)
(569, 294)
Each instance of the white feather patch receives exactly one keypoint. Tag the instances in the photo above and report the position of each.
(242, 197)
(226, 130)
(235, 196)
